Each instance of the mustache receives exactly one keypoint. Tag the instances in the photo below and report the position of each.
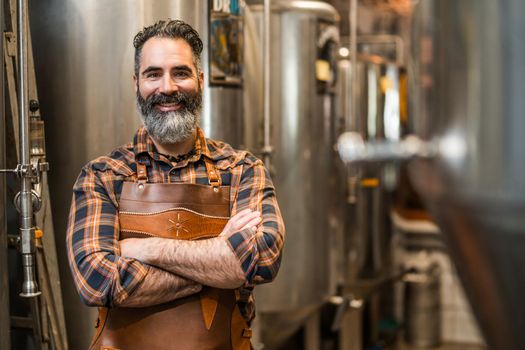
(189, 101)
(177, 97)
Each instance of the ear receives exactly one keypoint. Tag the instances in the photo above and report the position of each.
(135, 82)
(201, 79)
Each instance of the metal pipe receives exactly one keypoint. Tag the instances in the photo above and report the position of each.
(23, 82)
(352, 319)
(267, 148)
(27, 231)
(353, 123)
(352, 148)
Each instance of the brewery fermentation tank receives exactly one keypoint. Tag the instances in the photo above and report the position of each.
(84, 66)
(378, 117)
(365, 264)
(303, 164)
(470, 78)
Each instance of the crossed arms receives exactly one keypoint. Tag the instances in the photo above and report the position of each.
(142, 272)
(182, 267)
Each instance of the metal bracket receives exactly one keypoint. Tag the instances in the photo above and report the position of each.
(39, 166)
(34, 171)
(42, 166)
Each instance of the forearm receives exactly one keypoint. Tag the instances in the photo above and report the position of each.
(160, 287)
(210, 262)
(259, 252)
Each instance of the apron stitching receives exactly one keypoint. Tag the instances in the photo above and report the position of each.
(173, 209)
(154, 235)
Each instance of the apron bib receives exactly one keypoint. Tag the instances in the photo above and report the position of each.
(210, 319)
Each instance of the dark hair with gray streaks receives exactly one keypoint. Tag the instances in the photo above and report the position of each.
(175, 29)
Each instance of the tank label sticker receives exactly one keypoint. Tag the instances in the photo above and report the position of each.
(225, 6)
(226, 43)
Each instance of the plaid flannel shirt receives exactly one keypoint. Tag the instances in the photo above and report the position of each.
(103, 278)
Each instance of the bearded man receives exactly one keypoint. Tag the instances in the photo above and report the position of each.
(169, 234)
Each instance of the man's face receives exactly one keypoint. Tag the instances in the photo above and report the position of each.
(169, 94)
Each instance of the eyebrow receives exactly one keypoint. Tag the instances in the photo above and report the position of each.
(184, 68)
(150, 69)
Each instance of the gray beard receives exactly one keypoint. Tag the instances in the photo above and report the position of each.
(171, 127)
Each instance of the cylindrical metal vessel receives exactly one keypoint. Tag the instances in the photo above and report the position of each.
(377, 118)
(304, 38)
(84, 65)
(366, 243)
(470, 75)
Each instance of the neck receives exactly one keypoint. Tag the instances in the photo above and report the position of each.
(176, 149)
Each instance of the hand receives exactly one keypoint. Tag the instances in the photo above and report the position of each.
(242, 220)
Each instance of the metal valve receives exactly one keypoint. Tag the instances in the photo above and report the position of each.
(36, 201)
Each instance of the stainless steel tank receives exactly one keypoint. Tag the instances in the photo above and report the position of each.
(304, 38)
(378, 120)
(470, 77)
(366, 263)
(84, 65)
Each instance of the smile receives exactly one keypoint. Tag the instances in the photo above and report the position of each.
(167, 107)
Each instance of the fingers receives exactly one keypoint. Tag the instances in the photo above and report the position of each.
(238, 222)
(253, 223)
(242, 213)
(244, 219)
(229, 225)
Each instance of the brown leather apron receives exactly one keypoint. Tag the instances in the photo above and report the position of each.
(210, 319)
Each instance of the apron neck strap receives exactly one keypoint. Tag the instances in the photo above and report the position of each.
(213, 176)
(142, 175)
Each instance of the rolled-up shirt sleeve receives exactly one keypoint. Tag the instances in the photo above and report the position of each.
(259, 251)
(101, 276)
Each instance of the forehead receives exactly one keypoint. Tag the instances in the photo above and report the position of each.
(166, 52)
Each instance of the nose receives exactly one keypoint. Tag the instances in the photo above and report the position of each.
(168, 85)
